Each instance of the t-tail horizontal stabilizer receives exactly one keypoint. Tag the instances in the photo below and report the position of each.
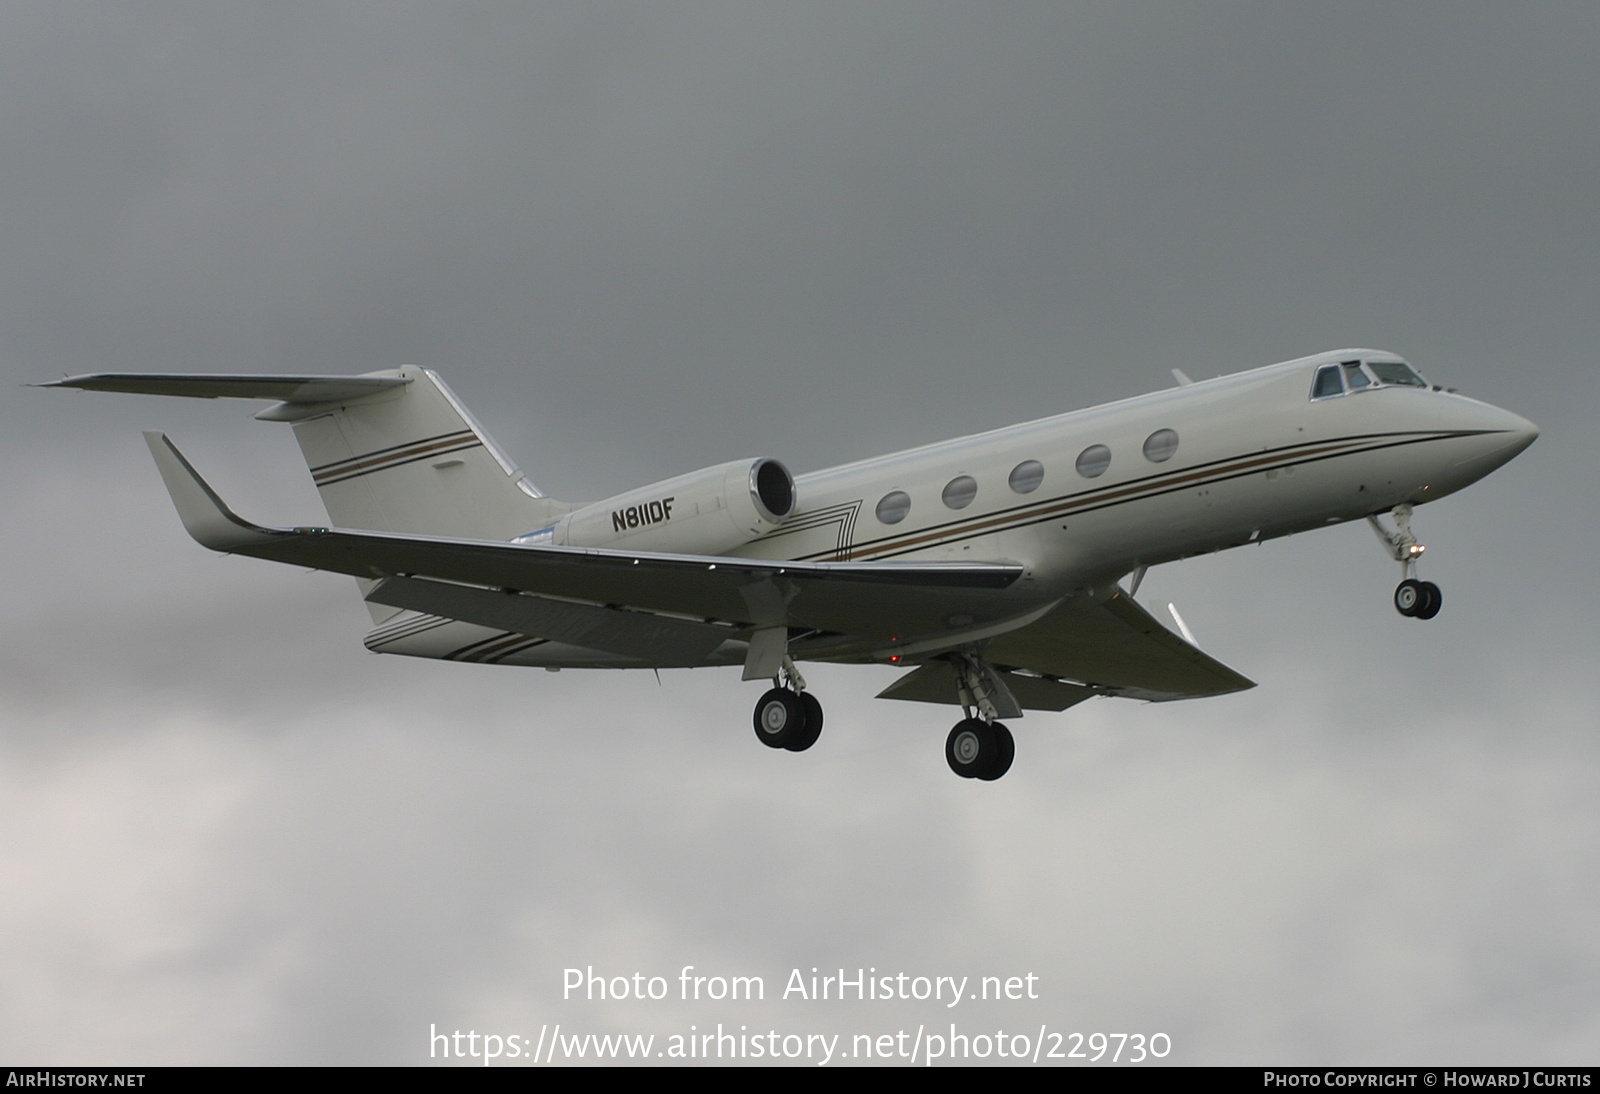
(297, 390)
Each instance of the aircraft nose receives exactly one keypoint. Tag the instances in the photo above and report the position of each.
(1517, 430)
(1500, 437)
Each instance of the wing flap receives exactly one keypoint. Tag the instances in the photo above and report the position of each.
(935, 682)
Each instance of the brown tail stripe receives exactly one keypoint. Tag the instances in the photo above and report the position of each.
(392, 449)
(383, 461)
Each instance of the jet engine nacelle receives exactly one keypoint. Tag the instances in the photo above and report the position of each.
(706, 512)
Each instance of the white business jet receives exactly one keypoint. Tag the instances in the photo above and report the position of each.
(990, 566)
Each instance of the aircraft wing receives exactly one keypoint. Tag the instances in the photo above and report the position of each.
(1080, 649)
(873, 600)
(1118, 648)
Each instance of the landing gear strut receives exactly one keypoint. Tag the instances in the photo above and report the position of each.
(788, 716)
(1412, 598)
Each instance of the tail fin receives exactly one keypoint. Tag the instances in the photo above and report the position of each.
(390, 451)
(414, 460)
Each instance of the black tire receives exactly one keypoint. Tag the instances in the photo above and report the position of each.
(970, 749)
(780, 717)
(1005, 751)
(1409, 598)
(813, 727)
(1432, 601)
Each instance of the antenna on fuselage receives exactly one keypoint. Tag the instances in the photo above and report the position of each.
(1182, 377)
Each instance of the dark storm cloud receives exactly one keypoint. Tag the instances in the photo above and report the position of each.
(638, 240)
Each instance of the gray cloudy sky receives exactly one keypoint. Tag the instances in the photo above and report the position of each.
(639, 239)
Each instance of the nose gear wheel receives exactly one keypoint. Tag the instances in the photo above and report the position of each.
(1417, 599)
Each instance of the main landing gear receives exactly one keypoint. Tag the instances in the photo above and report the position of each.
(1412, 598)
(788, 716)
(980, 747)
(977, 749)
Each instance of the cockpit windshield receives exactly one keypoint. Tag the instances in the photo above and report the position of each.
(1348, 377)
(1394, 372)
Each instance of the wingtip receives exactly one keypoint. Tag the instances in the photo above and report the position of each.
(204, 514)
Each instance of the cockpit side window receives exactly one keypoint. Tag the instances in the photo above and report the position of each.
(1327, 383)
(1394, 372)
(1354, 378)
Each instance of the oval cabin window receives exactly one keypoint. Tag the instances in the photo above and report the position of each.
(1093, 461)
(893, 507)
(1160, 445)
(959, 491)
(1026, 476)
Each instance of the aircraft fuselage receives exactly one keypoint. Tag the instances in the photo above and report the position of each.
(1254, 457)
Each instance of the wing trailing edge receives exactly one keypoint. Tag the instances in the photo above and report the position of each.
(935, 682)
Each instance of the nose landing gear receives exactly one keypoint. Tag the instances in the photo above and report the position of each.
(1412, 598)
